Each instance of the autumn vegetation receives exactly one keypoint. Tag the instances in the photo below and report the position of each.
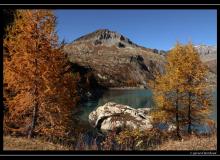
(183, 91)
(40, 91)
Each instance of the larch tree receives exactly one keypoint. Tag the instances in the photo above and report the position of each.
(39, 90)
(183, 89)
(198, 97)
(167, 92)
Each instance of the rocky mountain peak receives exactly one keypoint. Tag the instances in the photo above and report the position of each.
(106, 37)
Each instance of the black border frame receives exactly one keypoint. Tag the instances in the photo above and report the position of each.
(112, 2)
(108, 153)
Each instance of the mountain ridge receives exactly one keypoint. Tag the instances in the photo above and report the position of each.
(106, 36)
(115, 61)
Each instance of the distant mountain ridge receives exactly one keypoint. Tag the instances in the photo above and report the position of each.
(206, 52)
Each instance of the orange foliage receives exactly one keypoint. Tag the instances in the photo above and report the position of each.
(36, 72)
(183, 90)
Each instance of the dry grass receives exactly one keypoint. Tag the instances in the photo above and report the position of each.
(191, 143)
(12, 143)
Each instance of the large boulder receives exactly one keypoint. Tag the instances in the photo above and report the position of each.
(112, 116)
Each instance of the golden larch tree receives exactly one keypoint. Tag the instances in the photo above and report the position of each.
(198, 97)
(167, 92)
(182, 92)
(39, 90)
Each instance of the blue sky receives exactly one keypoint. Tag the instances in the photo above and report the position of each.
(149, 28)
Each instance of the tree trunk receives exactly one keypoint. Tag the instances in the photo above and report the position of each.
(36, 103)
(177, 118)
(30, 133)
(189, 114)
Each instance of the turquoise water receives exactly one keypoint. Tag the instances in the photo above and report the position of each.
(214, 113)
(136, 98)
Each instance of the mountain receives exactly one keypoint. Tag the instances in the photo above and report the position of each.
(114, 60)
(208, 55)
(108, 38)
(206, 52)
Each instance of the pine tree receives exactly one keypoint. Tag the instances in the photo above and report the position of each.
(39, 90)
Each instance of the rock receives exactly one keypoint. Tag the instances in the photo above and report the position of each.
(112, 116)
(171, 128)
(142, 86)
(88, 94)
(101, 77)
(111, 81)
(155, 51)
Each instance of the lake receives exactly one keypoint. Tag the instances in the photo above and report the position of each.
(136, 98)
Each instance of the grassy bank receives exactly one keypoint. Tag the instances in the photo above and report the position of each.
(12, 143)
(189, 143)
